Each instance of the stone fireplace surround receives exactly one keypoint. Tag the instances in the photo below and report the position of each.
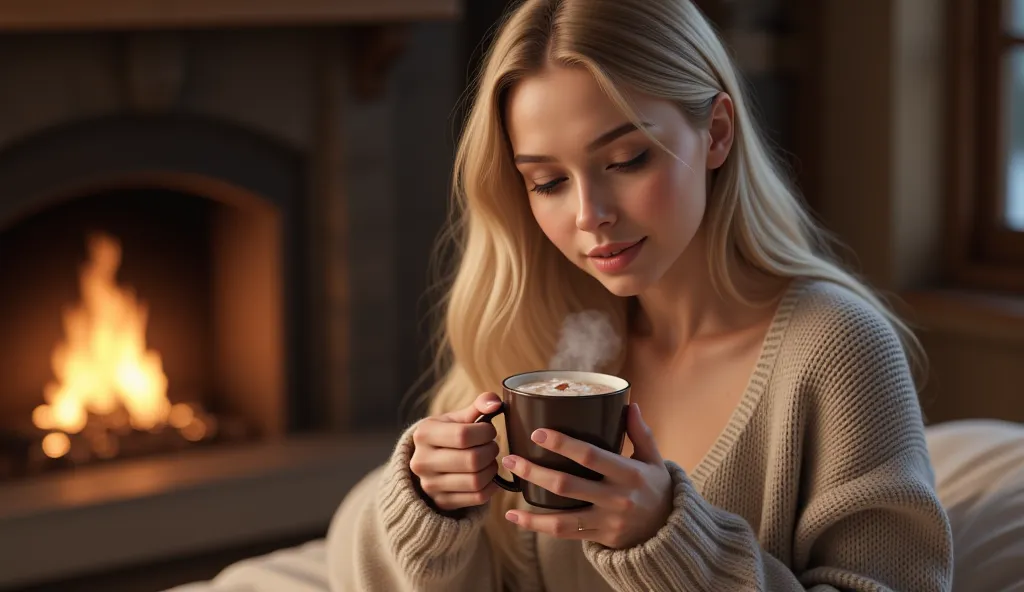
(118, 91)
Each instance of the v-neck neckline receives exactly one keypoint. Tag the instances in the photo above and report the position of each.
(756, 385)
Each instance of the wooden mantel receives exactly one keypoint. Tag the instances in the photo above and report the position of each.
(81, 15)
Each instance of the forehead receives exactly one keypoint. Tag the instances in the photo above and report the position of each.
(564, 108)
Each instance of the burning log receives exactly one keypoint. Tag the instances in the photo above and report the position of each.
(27, 450)
(108, 398)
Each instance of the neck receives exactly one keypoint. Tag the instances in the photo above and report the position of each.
(684, 305)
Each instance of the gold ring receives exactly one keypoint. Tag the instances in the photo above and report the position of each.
(579, 526)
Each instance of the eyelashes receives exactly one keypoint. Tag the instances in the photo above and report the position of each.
(623, 167)
(548, 187)
(633, 164)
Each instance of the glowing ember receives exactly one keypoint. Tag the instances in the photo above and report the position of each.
(103, 363)
(56, 445)
(181, 415)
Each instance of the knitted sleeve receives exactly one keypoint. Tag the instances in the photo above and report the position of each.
(385, 537)
(869, 516)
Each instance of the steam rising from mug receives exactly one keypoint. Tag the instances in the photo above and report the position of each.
(587, 342)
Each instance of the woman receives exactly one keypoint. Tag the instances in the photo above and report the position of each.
(610, 163)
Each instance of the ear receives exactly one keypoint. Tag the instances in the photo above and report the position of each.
(720, 131)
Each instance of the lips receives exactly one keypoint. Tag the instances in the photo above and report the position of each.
(612, 249)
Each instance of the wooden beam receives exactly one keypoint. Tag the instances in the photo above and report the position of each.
(76, 15)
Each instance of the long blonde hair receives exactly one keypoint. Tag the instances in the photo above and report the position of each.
(512, 288)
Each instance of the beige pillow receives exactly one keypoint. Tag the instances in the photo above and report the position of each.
(979, 473)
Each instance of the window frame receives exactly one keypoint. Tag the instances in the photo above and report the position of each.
(983, 253)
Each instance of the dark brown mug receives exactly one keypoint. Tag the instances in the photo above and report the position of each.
(597, 419)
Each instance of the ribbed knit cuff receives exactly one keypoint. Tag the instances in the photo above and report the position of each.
(428, 546)
(699, 547)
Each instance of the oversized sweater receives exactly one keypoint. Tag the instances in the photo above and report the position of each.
(820, 481)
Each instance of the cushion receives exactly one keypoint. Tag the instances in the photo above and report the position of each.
(979, 474)
(301, 569)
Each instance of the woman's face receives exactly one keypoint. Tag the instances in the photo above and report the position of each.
(611, 200)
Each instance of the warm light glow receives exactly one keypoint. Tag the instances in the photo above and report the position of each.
(42, 417)
(181, 415)
(56, 445)
(194, 431)
(103, 362)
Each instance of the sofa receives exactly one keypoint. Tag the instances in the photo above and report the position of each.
(979, 470)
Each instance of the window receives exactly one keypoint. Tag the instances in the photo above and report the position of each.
(987, 142)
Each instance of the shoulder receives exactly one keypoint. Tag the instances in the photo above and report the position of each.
(845, 363)
(824, 307)
(843, 351)
(829, 325)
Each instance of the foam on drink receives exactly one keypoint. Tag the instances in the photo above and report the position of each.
(557, 387)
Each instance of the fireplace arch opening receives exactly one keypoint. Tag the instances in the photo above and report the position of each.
(208, 221)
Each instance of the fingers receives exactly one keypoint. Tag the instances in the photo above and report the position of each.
(563, 525)
(448, 460)
(558, 482)
(455, 501)
(444, 434)
(454, 457)
(485, 403)
(645, 449)
(613, 466)
(452, 483)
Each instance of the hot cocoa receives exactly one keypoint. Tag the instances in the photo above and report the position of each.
(558, 387)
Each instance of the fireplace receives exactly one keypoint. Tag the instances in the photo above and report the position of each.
(203, 222)
(178, 202)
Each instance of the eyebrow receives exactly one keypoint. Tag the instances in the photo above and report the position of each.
(605, 139)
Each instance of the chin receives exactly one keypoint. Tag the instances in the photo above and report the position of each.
(622, 286)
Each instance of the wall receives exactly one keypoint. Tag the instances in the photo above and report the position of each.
(882, 143)
(392, 163)
(428, 83)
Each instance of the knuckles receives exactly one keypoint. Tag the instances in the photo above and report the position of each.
(483, 456)
(562, 529)
(482, 479)
(616, 525)
(560, 484)
(625, 504)
(417, 466)
(588, 457)
(462, 439)
(428, 486)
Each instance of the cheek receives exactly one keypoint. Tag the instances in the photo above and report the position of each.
(670, 196)
(555, 222)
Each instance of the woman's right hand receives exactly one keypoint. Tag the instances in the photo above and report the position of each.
(456, 459)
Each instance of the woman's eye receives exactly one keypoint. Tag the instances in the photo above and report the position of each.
(631, 164)
(548, 187)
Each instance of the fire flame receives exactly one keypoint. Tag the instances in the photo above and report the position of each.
(103, 363)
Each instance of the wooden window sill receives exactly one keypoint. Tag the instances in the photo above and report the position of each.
(983, 315)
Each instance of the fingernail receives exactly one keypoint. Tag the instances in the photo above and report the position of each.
(509, 462)
(491, 404)
(539, 436)
(511, 517)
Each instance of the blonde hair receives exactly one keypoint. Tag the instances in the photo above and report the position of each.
(512, 288)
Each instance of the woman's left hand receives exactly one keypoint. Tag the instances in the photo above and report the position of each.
(630, 505)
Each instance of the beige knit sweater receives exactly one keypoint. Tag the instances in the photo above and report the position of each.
(820, 481)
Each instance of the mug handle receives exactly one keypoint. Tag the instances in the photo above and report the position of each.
(501, 481)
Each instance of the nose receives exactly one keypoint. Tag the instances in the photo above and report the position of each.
(596, 208)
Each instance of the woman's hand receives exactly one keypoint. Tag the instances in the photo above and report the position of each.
(455, 459)
(629, 506)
